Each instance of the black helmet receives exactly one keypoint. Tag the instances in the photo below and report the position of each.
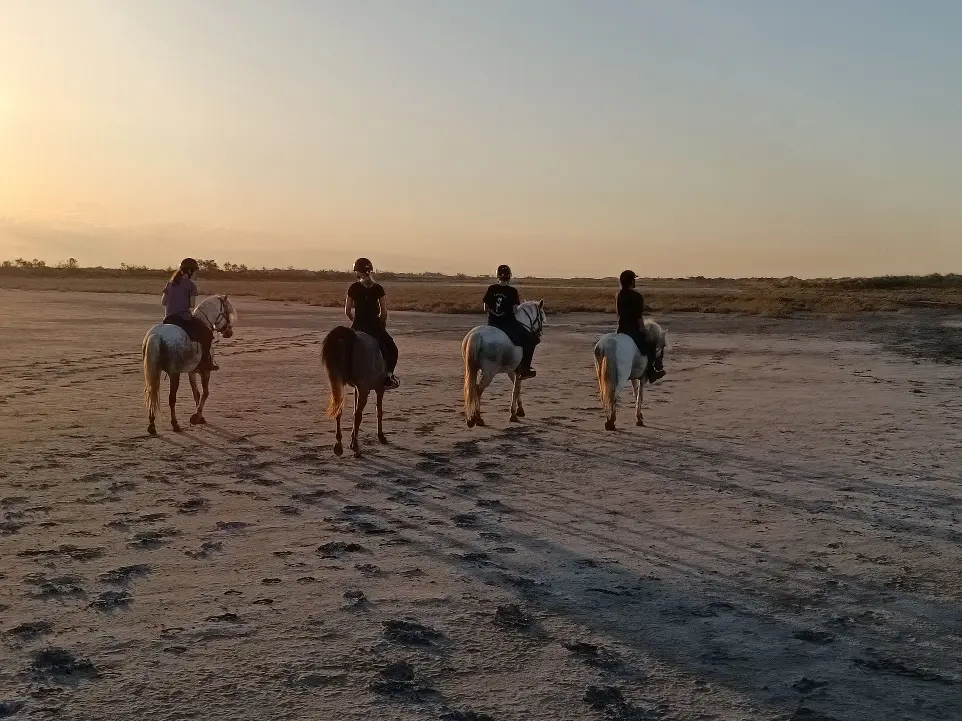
(363, 265)
(188, 264)
(627, 277)
(504, 270)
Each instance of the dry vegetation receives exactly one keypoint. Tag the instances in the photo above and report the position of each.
(436, 293)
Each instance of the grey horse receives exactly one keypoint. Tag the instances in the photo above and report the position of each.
(168, 349)
(487, 351)
(618, 361)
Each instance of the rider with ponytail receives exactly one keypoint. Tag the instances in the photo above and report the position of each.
(179, 297)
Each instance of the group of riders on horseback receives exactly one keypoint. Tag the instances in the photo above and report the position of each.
(365, 307)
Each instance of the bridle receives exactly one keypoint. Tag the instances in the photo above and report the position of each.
(221, 314)
(535, 321)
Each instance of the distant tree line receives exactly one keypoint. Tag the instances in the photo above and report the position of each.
(227, 269)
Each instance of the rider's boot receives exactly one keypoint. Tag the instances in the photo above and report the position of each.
(391, 382)
(655, 369)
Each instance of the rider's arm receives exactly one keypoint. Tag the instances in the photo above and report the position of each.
(382, 310)
(163, 296)
(349, 308)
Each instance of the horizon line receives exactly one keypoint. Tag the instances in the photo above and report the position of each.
(36, 264)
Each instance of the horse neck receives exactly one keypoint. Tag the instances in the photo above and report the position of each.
(524, 317)
(205, 308)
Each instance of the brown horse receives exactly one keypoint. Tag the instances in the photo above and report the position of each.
(353, 358)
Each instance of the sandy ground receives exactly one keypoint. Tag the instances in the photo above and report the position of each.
(782, 541)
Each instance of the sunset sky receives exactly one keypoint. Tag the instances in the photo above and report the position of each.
(680, 137)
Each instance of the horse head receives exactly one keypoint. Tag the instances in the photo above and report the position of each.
(220, 314)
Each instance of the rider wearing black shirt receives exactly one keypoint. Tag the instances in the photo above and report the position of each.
(631, 309)
(365, 307)
(501, 301)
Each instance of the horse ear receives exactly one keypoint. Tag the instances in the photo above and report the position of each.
(541, 303)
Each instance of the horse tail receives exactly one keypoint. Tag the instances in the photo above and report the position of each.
(607, 371)
(471, 350)
(337, 355)
(153, 353)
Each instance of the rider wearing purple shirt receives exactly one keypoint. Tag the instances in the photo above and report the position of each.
(178, 299)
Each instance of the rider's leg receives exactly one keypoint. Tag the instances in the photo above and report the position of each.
(648, 350)
(205, 336)
(527, 352)
(525, 339)
(389, 352)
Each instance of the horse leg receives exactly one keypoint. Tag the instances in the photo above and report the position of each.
(192, 377)
(360, 400)
(198, 418)
(515, 396)
(338, 448)
(638, 387)
(172, 399)
(613, 413)
(380, 416)
(483, 382)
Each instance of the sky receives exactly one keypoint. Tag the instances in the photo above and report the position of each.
(564, 137)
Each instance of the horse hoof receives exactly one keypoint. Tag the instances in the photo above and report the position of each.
(176, 427)
(514, 419)
(152, 429)
(521, 413)
(357, 452)
(480, 423)
(382, 438)
(640, 423)
(338, 449)
(610, 426)
(471, 423)
(196, 420)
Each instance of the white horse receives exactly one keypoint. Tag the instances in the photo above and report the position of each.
(167, 348)
(617, 361)
(488, 350)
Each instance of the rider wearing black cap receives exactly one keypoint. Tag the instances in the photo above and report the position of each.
(631, 308)
(178, 300)
(366, 309)
(501, 301)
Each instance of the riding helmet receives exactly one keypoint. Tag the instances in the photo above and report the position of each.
(188, 264)
(363, 265)
(627, 277)
(504, 270)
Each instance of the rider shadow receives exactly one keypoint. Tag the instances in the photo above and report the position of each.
(715, 628)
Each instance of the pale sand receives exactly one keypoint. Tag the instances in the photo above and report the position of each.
(782, 541)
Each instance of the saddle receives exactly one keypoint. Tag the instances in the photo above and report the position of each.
(188, 326)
